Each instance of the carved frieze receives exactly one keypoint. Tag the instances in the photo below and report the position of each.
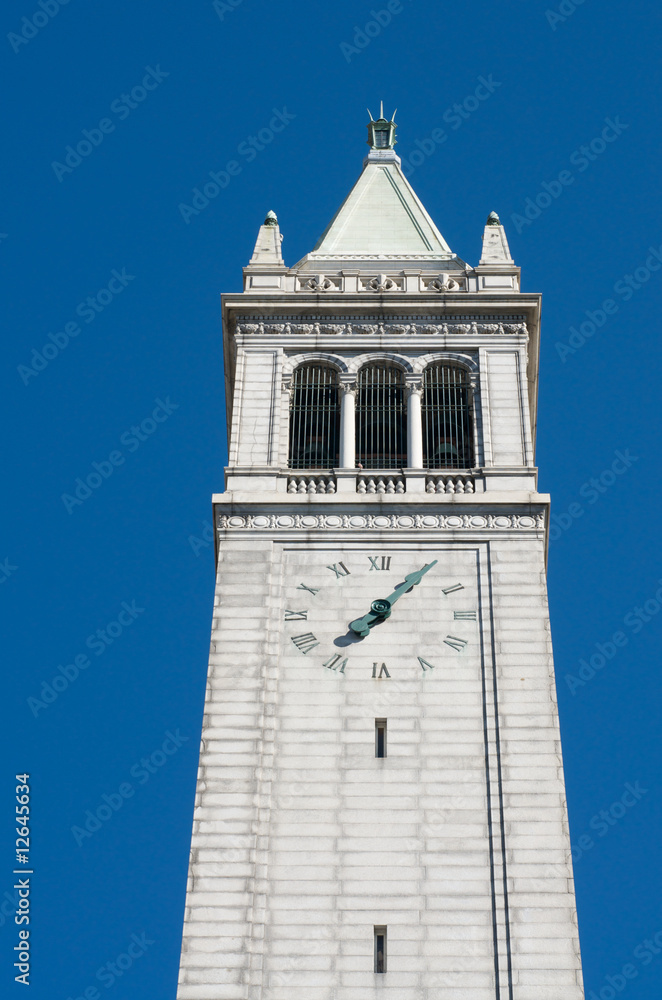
(361, 522)
(387, 329)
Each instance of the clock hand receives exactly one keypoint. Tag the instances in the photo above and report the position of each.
(411, 580)
(380, 609)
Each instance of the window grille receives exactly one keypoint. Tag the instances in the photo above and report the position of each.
(314, 418)
(447, 423)
(381, 422)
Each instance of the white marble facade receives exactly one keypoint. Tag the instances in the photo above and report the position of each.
(303, 840)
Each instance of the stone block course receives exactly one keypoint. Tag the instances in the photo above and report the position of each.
(317, 841)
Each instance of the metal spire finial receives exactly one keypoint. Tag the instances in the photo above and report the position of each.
(381, 133)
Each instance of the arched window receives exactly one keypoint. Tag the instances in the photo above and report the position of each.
(381, 423)
(314, 418)
(447, 423)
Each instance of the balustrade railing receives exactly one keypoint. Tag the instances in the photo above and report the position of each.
(449, 484)
(311, 484)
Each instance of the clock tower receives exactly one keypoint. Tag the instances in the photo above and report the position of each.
(380, 805)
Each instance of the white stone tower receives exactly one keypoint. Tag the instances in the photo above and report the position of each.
(380, 806)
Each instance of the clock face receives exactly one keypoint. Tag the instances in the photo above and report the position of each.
(380, 613)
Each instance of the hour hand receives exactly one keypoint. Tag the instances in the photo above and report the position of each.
(379, 612)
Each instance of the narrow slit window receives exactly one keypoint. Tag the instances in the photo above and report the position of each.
(380, 737)
(380, 949)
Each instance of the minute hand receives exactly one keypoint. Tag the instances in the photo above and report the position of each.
(409, 581)
(380, 610)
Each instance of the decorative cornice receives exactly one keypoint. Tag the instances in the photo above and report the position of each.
(361, 522)
(342, 328)
(374, 257)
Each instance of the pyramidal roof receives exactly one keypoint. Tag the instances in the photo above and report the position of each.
(381, 216)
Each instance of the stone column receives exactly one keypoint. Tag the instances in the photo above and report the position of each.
(414, 422)
(348, 421)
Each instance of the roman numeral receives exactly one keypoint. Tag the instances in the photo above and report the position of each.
(385, 562)
(383, 672)
(310, 590)
(343, 571)
(455, 643)
(305, 642)
(451, 590)
(296, 616)
(333, 663)
(424, 664)
(465, 616)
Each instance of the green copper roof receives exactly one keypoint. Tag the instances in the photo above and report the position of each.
(381, 215)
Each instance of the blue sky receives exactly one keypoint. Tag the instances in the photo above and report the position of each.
(124, 578)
